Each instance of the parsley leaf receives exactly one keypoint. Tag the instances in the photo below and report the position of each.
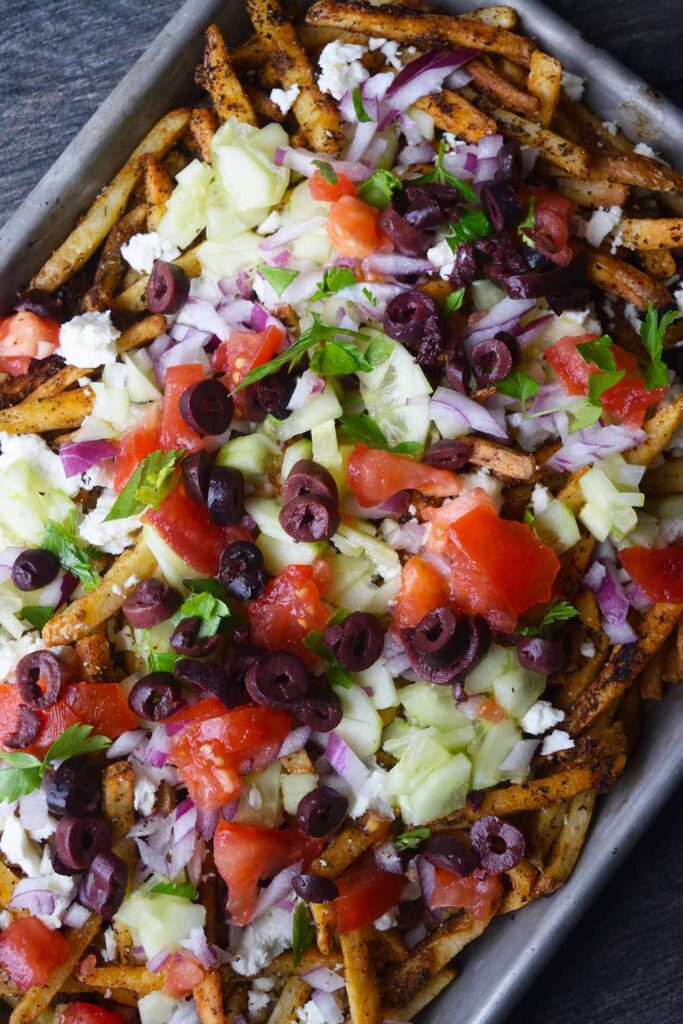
(37, 614)
(151, 482)
(364, 430)
(370, 297)
(61, 541)
(470, 225)
(277, 277)
(75, 741)
(26, 771)
(440, 176)
(338, 357)
(559, 612)
(589, 411)
(378, 189)
(16, 782)
(361, 112)
(652, 331)
(528, 223)
(206, 584)
(327, 171)
(185, 890)
(454, 301)
(162, 661)
(337, 675)
(519, 385)
(303, 932)
(409, 840)
(598, 352)
(211, 610)
(333, 281)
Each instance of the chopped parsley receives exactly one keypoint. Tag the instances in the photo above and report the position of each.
(652, 331)
(25, 771)
(559, 612)
(333, 281)
(152, 481)
(64, 544)
(278, 278)
(362, 429)
(360, 111)
(440, 176)
(409, 840)
(326, 171)
(470, 225)
(519, 385)
(379, 188)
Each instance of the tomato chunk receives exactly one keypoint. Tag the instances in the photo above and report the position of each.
(479, 893)
(327, 192)
(175, 432)
(88, 1013)
(187, 528)
(657, 571)
(135, 445)
(212, 753)
(353, 228)
(247, 854)
(25, 336)
(244, 350)
(101, 705)
(423, 588)
(365, 893)
(445, 515)
(288, 610)
(374, 476)
(183, 971)
(30, 952)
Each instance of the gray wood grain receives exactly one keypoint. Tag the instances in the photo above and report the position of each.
(58, 60)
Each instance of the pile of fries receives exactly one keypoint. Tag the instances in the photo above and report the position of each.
(516, 90)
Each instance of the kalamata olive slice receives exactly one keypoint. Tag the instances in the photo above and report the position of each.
(406, 314)
(278, 680)
(315, 888)
(491, 361)
(75, 788)
(445, 645)
(34, 569)
(420, 208)
(436, 637)
(168, 287)
(357, 641)
(309, 477)
(540, 655)
(42, 303)
(235, 664)
(408, 241)
(464, 266)
(509, 160)
(196, 470)
(309, 518)
(204, 675)
(502, 205)
(79, 840)
(206, 407)
(249, 585)
(453, 455)
(444, 851)
(103, 888)
(39, 679)
(150, 603)
(499, 844)
(241, 571)
(156, 697)
(225, 499)
(458, 372)
(322, 714)
(26, 729)
(321, 811)
(274, 393)
(185, 639)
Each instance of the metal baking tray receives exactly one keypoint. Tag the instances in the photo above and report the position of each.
(500, 965)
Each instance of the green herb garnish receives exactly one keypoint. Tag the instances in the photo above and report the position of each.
(409, 840)
(470, 225)
(361, 113)
(63, 543)
(362, 429)
(652, 331)
(151, 482)
(454, 301)
(277, 277)
(211, 610)
(26, 771)
(303, 932)
(440, 176)
(559, 612)
(327, 171)
(519, 385)
(185, 890)
(378, 189)
(333, 281)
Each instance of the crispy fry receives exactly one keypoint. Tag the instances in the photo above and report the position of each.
(7, 882)
(325, 921)
(504, 461)
(158, 186)
(545, 76)
(59, 382)
(361, 981)
(201, 130)
(568, 844)
(657, 263)
(82, 616)
(660, 428)
(594, 193)
(571, 684)
(265, 110)
(673, 667)
(208, 997)
(388, 946)
(141, 333)
(292, 998)
(558, 151)
(632, 169)
(547, 822)
(217, 76)
(95, 657)
(107, 208)
(629, 283)
(111, 267)
(651, 681)
(138, 980)
(118, 782)
(431, 990)
(651, 232)
(522, 879)
(60, 412)
(348, 845)
(486, 77)
(454, 114)
(134, 299)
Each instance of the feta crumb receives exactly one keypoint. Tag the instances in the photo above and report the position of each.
(131, 581)
(369, 795)
(557, 740)
(19, 849)
(573, 85)
(41, 459)
(540, 499)
(262, 941)
(678, 296)
(12, 651)
(88, 340)
(284, 98)
(540, 717)
(642, 149)
(587, 649)
(390, 50)
(257, 1003)
(601, 222)
(63, 890)
(5, 919)
(101, 475)
(310, 1014)
(156, 1008)
(272, 222)
(610, 126)
(144, 790)
(110, 951)
(616, 242)
(142, 250)
(341, 68)
(632, 314)
(443, 258)
(386, 921)
(111, 537)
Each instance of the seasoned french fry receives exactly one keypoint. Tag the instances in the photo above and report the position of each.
(348, 845)
(571, 684)
(629, 283)
(201, 130)
(95, 657)
(454, 114)
(558, 151)
(547, 822)
(60, 412)
(568, 844)
(673, 666)
(158, 186)
(118, 781)
(325, 921)
(134, 299)
(632, 169)
(111, 266)
(651, 232)
(594, 193)
(208, 997)
(500, 459)
(660, 428)
(59, 382)
(486, 77)
(431, 990)
(545, 76)
(522, 879)
(361, 981)
(292, 998)
(86, 613)
(107, 208)
(657, 263)
(651, 681)
(217, 76)
(265, 110)
(7, 882)
(138, 980)
(141, 333)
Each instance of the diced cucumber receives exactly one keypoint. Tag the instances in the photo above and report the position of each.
(325, 450)
(243, 158)
(157, 921)
(458, 739)
(395, 394)
(277, 547)
(443, 791)
(139, 385)
(517, 690)
(366, 596)
(488, 755)
(557, 527)
(495, 663)
(381, 683)
(299, 449)
(172, 566)
(185, 213)
(252, 454)
(421, 757)
(361, 726)
(377, 552)
(28, 501)
(295, 787)
(260, 798)
(347, 571)
(485, 294)
(226, 258)
(431, 705)
(322, 407)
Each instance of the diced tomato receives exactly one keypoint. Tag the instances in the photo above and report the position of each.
(423, 588)
(479, 893)
(365, 893)
(491, 711)
(183, 971)
(101, 705)
(324, 191)
(657, 571)
(374, 476)
(571, 368)
(88, 1013)
(247, 854)
(323, 574)
(244, 350)
(499, 567)
(288, 610)
(212, 707)
(134, 445)
(447, 513)
(353, 228)
(175, 432)
(551, 219)
(30, 952)
(211, 754)
(187, 528)
(25, 336)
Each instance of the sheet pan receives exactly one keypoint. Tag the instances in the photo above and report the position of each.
(504, 962)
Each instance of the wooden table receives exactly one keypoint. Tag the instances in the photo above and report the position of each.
(60, 59)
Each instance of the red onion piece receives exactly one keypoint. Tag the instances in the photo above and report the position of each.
(75, 916)
(125, 744)
(504, 316)
(277, 889)
(395, 265)
(291, 232)
(449, 407)
(423, 76)
(593, 443)
(158, 961)
(206, 822)
(345, 762)
(78, 456)
(426, 873)
(614, 605)
(301, 161)
(198, 945)
(297, 740)
(324, 979)
(328, 1007)
(387, 859)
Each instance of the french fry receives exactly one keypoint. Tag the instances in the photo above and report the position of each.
(544, 830)
(361, 981)
(63, 411)
(571, 684)
(651, 232)
(314, 111)
(673, 665)
(134, 298)
(660, 429)
(8, 880)
(486, 77)
(59, 382)
(593, 193)
(325, 921)
(545, 76)
(283, 965)
(111, 266)
(568, 844)
(95, 657)
(651, 681)
(82, 616)
(208, 998)
(632, 169)
(107, 208)
(430, 991)
(627, 282)
(118, 781)
(388, 946)
(522, 879)
(347, 846)
(558, 151)
(452, 113)
(141, 333)
(293, 996)
(503, 461)
(158, 186)
(201, 130)
(422, 29)
(138, 980)
(217, 76)
(658, 263)
(265, 110)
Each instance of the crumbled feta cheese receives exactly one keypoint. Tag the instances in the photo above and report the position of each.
(369, 795)
(678, 296)
(610, 126)
(5, 919)
(584, 318)
(284, 98)
(540, 499)
(573, 85)
(19, 849)
(389, 49)
(386, 921)
(32, 449)
(101, 475)
(341, 68)
(142, 250)
(111, 537)
(587, 649)
(632, 314)
(272, 222)
(616, 242)
(257, 1003)
(557, 740)
(88, 340)
(443, 258)
(12, 651)
(63, 889)
(156, 1008)
(262, 941)
(601, 222)
(310, 1014)
(540, 717)
(642, 149)
(144, 794)
(264, 984)
(110, 951)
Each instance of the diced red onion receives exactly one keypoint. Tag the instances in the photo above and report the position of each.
(414, 937)
(637, 599)
(75, 916)
(363, 135)
(396, 661)
(519, 758)
(158, 961)
(33, 812)
(201, 314)
(525, 335)
(151, 826)
(195, 864)
(77, 456)
(449, 408)
(307, 385)
(198, 945)
(151, 860)
(396, 505)
(387, 858)
(485, 170)
(287, 905)
(173, 728)
(243, 283)
(408, 536)
(289, 233)
(302, 161)
(426, 873)
(395, 265)
(184, 352)
(505, 315)
(186, 1013)
(458, 79)
(34, 895)
(50, 596)
(277, 889)
(323, 979)
(296, 740)
(489, 146)
(424, 75)
(230, 810)
(185, 819)
(206, 822)
(236, 311)
(593, 443)
(125, 744)
(613, 603)
(328, 1006)
(418, 153)
(156, 753)
(345, 762)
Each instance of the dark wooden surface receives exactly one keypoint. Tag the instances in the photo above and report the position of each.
(58, 60)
